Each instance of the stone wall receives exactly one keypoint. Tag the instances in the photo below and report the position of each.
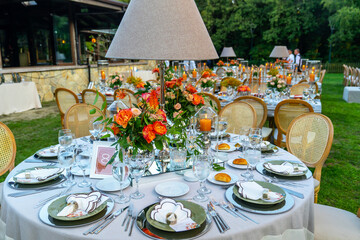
(47, 79)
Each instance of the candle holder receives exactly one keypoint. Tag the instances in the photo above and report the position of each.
(205, 123)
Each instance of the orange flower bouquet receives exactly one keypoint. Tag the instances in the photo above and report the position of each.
(220, 63)
(135, 81)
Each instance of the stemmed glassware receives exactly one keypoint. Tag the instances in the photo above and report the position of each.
(312, 94)
(66, 158)
(201, 169)
(306, 94)
(121, 173)
(253, 152)
(137, 165)
(222, 127)
(83, 163)
(65, 137)
(96, 127)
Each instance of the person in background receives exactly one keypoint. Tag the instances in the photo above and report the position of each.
(297, 59)
(291, 57)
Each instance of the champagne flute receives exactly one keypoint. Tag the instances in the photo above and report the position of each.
(121, 172)
(66, 159)
(201, 169)
(65, 137)
(96, 127)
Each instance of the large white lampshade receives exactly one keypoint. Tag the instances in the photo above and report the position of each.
(228, 52)
(279, 52)
(162, 30)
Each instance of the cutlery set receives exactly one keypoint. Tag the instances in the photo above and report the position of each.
(219, 221)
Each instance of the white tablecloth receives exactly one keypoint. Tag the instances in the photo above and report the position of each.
(18, 97)
(22, 220)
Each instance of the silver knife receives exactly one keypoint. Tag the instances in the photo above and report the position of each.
(292, 192)
(39, 161)
(25, 193)
(116, 214)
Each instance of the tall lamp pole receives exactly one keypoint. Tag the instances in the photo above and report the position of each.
(332, 30)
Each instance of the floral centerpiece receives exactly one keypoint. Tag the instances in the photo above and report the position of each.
(229, 72)
(140, 128)
(244, 90)
(233, 63)
(115, 81)
(135, 81)
(277, 83)
(207, 79)
(230, 82)
(273, 72)
(220, 63)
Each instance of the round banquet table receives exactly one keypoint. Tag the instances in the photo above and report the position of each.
(22, 221)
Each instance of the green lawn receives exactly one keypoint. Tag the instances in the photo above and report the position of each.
(340, 183)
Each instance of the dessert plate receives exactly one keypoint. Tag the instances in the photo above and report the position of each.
(211, 178)
(172, 189)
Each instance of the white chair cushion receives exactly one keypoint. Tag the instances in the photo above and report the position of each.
(266, 132)
(335, 224)
(283, 136)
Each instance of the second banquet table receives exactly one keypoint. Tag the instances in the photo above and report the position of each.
(22, 220)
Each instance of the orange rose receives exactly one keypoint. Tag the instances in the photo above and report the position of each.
(148, 133)
(153, 100)
(123, 117)
(213, 75)
(190, 88)
(156, 70)
(115, 129)
(159, 128)
(170, 84)
(206, 74)
(179, 81)
(197, 99)
(140, 85)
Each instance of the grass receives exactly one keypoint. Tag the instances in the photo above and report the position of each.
(340, 175)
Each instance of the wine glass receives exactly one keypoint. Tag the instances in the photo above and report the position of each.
(312, 93)
(121, 173)
(65, 138)
(306, 94)
(253, 153)
(201, 169)
(268, 93)
(83, 163)
(66, 158)
(137, 165)
(96, 127)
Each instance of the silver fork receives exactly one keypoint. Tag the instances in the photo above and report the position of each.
(43, 202)
(132, 223)
(238, 211)
(275, 180)
(213, 201)
(216, 220)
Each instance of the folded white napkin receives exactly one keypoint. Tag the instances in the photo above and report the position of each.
(287, 168)
(170, 210)
(264, 144)
(253, 191)
(82, 204)
(39, 174)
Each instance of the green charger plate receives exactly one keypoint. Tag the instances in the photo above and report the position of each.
(267, 185)
(279, 162)
(39, 182)
(198, 214)
(56, 206)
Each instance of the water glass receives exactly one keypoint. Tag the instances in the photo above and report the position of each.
(65, 138)
(178, 160)
(121, 173)
(306, 94)
(96, 127)
(137, 165)
(66, 159)
(201, 169)
(83, 162)
(312, 94)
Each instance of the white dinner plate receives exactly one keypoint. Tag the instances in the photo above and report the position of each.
(78, 172)
(231, 164)
(111, 185)
(211, 179)
(232, 147)
(172, 189)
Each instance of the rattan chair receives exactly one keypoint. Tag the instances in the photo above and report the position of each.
(211, 101)
(78, 117)
(7, 152)
(284, 113)
(89, 95)
(309, 137)
(298, 89)
(239, 115)
(65, 98)
(133, 98)
(261, 113)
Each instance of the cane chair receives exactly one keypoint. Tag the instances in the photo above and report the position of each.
(261, 113)
(309, 137)
(284, 113)
(298, 89)
(126, 100)
(239, 115)
(303, 81)
(335, 223)
(352, 75)
(7, 152)
(78, 117)
(133, 98)
(65, 98)
(345, 75)
(211, 101)
(89, 95)
(322, 75)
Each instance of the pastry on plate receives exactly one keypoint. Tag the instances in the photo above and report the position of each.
(223, 146)
(222, 177)
(240, 161)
